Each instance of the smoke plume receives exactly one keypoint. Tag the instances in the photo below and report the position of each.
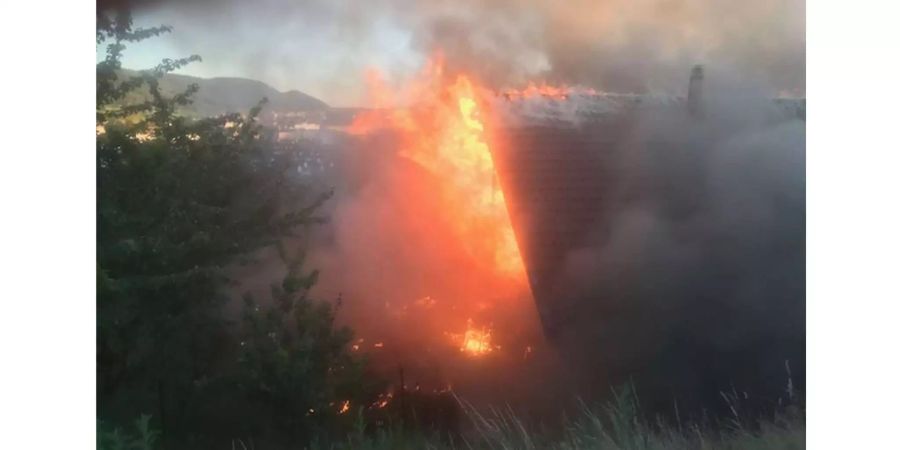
(693, 282)
(323, 46)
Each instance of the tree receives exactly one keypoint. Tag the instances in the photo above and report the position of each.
(178, 201)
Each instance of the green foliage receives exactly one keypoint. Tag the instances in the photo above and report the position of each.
(179, 200)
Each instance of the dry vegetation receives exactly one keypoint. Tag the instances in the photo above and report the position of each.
(616, 425)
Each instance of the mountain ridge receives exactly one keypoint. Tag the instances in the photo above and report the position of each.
(220, 95)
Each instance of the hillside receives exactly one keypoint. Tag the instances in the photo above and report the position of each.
(222, 95)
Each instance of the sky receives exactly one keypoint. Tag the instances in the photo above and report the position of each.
(324, 47)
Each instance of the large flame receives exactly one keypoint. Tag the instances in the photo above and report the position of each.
(441, 124)
(444, 132)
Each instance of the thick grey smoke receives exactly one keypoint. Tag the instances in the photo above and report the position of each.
(323, 46)
(694, 280)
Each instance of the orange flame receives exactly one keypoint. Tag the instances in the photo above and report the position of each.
(382, 400)
(441, 124)
(445, 133)
(543, 89)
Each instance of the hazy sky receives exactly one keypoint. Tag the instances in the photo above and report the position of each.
(300, 50)
(323, 47)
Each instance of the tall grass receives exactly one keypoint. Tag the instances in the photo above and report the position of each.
(616, 425)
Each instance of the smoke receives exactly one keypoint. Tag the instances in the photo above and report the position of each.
(619, 46)
(693, 281)
(641, 46)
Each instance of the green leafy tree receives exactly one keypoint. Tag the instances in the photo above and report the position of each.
(179, 200)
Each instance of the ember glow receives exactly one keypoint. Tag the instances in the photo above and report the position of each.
(382, 401)
(476, 341)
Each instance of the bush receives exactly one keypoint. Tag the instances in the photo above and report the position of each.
(178, 200)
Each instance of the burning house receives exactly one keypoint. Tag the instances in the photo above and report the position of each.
(494, 205)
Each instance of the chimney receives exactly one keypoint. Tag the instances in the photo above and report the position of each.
(695, 89)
